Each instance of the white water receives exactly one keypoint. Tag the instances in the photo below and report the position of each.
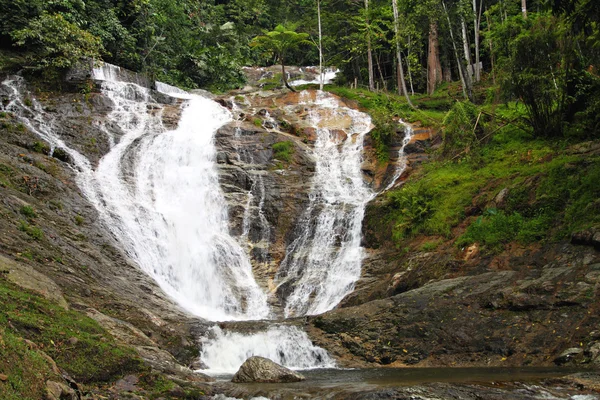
(323, 263)
(402, 161)
(163, 201)
(328, 76)
(158, 192)
(225, 352)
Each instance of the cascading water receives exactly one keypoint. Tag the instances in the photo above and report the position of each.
(323, 263)
(157, 190)
(161, 193)
(224, 352)
(402, 161)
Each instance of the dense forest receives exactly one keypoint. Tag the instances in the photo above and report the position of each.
(545, 53)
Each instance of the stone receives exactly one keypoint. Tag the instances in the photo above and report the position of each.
(568, 355)
(59, 391)
(3, 377)
(260, 369)
(127, 384)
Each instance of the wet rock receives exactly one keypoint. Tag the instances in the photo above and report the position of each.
(568, 355)
(588, 237)
(260, 369)
(60, 154)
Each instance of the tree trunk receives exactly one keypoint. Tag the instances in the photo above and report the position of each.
(524, 8)
(491, 48)
(402, 82)
(466, 48)
(434, 66)
(369, 53)
(461, 72)
(284, 77)
(412, 89)
(321, 77)
(477, 22)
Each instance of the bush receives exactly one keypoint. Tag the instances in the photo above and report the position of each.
(57, 42)
(28, 211)
(459, 133)
(283, 150)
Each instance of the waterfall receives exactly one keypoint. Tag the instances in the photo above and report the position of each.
(224, 352)
(323, 263)
(158, 192)
(163, 201)
(402, 162)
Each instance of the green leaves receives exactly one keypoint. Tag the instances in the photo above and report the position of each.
(280, 40)
(58, 43)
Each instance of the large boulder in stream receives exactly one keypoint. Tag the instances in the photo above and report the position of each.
(260, 369)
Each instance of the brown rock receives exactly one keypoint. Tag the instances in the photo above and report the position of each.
(260, 369)
(3, 377)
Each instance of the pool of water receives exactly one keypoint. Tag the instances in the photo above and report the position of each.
(394, 377)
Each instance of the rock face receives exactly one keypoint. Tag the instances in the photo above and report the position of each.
(260, 369)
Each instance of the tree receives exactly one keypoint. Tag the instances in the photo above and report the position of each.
(58, 43)
(369, 52)
(402, 81)
(279, 42)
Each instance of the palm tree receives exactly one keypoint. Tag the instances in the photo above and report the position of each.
(278, 42)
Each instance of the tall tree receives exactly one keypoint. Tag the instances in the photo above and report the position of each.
(321, 77)
(402, 81)
(476, 26)
(434, 65)
(369, 52)
(461, 67)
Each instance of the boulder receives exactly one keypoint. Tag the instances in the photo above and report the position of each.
(260, 369)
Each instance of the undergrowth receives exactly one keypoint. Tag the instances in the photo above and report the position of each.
(74, 341)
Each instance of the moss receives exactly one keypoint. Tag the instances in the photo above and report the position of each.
(33, 231)
(92, 357)
(26, 368)
(283, 151)
(41, 147)
(79, 220)
(28, 211)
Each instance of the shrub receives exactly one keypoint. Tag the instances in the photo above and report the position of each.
(57, 42)
(283, 150)
(28, 211)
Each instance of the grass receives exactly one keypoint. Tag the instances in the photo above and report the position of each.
(79, 220)
(28, 211)
(31, 230)
(283, 151)
(74, 341)
(551, 194)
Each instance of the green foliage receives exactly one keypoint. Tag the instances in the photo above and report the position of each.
(496, 228)
(28, 211)
(31, 230)
(459, 133)
(92, 357)
(283, 151)
(414, 205)
(383, 133)
(41, 147)
(79, 220)
(26, 368)
(57, 42)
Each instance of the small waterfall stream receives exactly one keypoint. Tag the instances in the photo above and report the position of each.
(157, 190)
(323, 263)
